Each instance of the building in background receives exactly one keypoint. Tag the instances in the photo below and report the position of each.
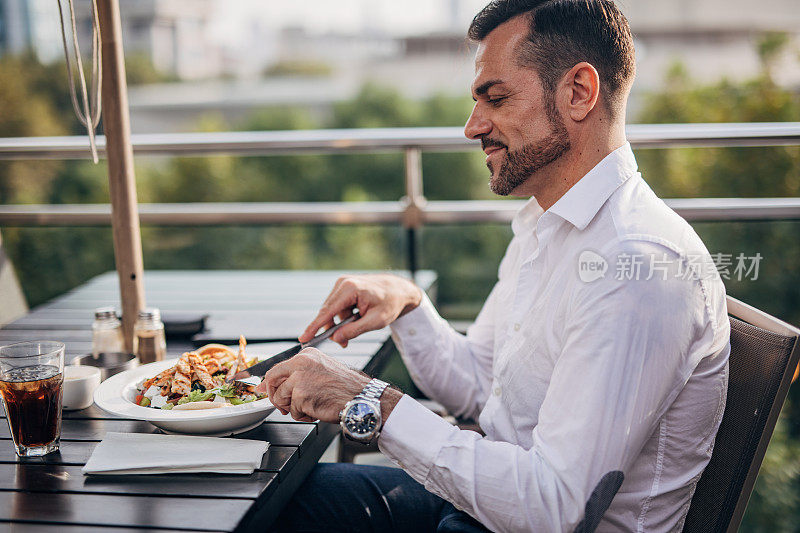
(231, 58)
(711, 38)
(172, 34)
(28, 25)
(13, 27)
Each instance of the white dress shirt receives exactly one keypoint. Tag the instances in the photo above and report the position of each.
(582, 376)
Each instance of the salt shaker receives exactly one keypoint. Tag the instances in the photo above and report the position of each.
(106, 332)
(149, 342)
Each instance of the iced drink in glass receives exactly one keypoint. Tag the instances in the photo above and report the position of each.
(31, 380)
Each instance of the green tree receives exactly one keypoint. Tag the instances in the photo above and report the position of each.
(139, 70)
(34, 101)
(747, 173)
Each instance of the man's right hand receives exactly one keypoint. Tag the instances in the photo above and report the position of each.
(380, 299)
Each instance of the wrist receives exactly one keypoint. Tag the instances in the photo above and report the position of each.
(389, 400)
(415, 299)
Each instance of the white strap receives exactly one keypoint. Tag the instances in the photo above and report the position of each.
(89, 116)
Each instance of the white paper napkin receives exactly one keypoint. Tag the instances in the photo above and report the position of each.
(141, 453)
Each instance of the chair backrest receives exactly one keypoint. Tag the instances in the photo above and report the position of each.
(764, 355)
(13, 301)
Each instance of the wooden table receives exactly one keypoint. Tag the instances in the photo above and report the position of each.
(39, 493)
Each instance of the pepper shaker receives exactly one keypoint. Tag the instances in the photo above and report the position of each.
(149, 341)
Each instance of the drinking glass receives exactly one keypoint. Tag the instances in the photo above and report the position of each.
(31, 379)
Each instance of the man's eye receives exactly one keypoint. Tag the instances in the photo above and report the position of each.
(496, 101)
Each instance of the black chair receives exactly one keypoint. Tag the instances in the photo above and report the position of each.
(764, 356)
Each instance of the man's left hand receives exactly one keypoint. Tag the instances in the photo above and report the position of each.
(312, 386)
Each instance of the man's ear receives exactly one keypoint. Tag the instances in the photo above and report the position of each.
(582, 89)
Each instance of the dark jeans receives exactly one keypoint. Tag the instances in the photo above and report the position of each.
(356, 498)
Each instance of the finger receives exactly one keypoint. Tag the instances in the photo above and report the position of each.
(339, 302)
(345, 314)
(282, 397)
(300, 416)
(275, 377)
(295, 402)
(265, 387)
(278, 373)
(314, 326)
(371, 320)
(327, 310)
(296, 405)
(275, 386)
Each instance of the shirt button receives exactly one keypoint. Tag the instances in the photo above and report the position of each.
(497, 391)
(516, 327)
(412, 332)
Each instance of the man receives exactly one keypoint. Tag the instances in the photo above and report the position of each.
(597, 367)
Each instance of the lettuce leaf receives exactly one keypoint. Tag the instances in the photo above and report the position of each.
(226, 391)
(196, 396)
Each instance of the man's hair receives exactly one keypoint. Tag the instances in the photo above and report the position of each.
(564, 33)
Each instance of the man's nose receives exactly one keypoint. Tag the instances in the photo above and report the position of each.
(477, 125)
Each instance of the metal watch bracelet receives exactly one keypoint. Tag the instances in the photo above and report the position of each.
(373, 391)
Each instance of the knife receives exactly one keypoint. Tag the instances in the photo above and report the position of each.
(261, 368)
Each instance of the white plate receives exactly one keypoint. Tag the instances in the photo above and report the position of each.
(117, 394)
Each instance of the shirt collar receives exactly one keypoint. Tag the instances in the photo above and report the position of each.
(524, 222)
(584, 199)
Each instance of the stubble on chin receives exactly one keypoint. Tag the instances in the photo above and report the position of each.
(518, 166)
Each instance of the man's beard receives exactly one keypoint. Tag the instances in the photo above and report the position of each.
(521, 164)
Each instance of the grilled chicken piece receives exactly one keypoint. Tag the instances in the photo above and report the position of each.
(155, 380)
(212, 366)
(239, 363)
(164, 378)
(181, 381)
(200, 370)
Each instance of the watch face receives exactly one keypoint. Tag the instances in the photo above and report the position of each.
(361, 419)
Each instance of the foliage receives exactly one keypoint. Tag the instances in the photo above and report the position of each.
(774, 505)
(306, 69)
(34, 101)
(747, 173)
(44, 273)
(139, 70)
(734, 172)
(25, 112)
(770, 46)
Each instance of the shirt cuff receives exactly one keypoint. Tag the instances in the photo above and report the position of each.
(412, 437)
(418, 327)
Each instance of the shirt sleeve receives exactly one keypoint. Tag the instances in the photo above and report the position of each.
(453, 369)
(628, 349)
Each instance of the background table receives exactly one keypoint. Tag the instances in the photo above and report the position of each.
(38, 493)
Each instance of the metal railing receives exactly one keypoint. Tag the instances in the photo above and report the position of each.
(383, 140)
(432, 212)
(412, 211)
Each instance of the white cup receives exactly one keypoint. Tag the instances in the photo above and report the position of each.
(79, 385)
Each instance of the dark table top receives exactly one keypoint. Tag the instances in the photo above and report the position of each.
(39, 493)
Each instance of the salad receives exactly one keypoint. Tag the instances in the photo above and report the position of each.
(197, 381)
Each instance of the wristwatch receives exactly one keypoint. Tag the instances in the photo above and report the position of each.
(361, 419)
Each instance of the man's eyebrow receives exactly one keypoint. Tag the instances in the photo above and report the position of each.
(484, 87)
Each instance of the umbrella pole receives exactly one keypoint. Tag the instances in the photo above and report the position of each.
(121, 179)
